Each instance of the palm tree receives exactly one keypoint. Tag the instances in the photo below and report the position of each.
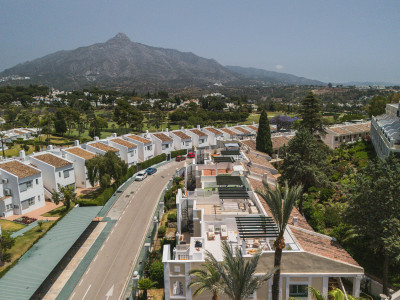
(208, 279)
(281, 204)
(335, 294)
(145, 284)
(238, 280)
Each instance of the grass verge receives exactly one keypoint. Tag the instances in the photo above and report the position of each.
(10, 226)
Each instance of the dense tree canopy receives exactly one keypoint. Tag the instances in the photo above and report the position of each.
(311, 116)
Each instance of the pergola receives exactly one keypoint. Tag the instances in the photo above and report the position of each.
(230, 152)
(256, 227)
(233, 193)
(221, 159)
(227, 180)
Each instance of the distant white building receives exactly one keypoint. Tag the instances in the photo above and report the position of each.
(100, 148)
(214, 135)
(128, 150)
(181, 139)
(144, 145)
(199, 138)
(56, 171)
(162, 143)
(79, 157)
(21, 188)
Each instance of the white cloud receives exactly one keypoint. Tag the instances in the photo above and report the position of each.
(279, 67)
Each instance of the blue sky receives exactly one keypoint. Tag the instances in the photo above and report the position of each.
(332, 41)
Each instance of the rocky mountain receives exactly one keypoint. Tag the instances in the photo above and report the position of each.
(120, 63)
(273, 77)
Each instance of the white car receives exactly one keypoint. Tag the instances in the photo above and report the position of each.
(141, 175)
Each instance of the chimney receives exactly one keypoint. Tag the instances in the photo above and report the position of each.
(198, 127)
(50, 147)
(22, 154)
(253, 123)
(114, 135)
(96, 138)
(76, 143)
(166, 129)
(295, 221)
(182, 128)
(226, 125)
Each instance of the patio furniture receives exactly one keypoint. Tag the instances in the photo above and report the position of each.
(210, 232)
(224, 232)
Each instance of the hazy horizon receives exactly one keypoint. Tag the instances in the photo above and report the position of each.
(332, 42)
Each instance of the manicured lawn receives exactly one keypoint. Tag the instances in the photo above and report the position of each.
(10, 226)
(14, 150)
(23, 243)
(58, 212)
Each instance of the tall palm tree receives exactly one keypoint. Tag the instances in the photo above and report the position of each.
(281, 204)
(208, 279)
(238, 280)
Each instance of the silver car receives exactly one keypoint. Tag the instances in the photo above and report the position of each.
(141, 175)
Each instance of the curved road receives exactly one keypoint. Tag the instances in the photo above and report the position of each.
(109, 271)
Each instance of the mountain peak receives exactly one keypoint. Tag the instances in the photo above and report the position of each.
(120, 37)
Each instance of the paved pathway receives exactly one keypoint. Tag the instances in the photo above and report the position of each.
(108, 273)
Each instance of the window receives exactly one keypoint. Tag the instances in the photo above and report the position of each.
(28, 202)
(37, 181)
(25, 186)
(59, 174)
(66, 173)
(9, 207)
(177, 288)
(336, 139)
(298, 290)
(38, 198)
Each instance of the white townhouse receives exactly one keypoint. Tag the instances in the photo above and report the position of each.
(127, 150)
(228, 133)
(101, 148)
(21, 188)
(252, 128)
(242, 132)
(199, 138)
(162, 143)
(56, 171)
(214, 136)
(145, 146)
(79, 157)
(181, 139)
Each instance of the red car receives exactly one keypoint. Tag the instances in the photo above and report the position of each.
(180, 158)
(191, 155)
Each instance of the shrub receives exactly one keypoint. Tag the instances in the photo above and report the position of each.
(155, 160)
(178, 152)
(156, 273)
(172, 217)
(161, 231)
(37, 148)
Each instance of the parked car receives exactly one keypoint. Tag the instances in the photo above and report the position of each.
(191, 155)
(141, 175)
(151, 171)
(180, 158)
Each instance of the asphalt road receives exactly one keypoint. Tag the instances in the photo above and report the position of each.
(109, 271)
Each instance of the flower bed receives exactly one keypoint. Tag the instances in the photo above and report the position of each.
(25, 220)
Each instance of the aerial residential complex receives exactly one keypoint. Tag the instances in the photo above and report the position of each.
(385, 131)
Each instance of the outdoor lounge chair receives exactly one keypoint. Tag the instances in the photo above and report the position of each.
(224, 232)
(211, 232)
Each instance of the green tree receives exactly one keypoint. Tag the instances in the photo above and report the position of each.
(263, 140)
(6, 243)
(311, 116)
(281, 205)
(156, 272)
(146, 284)
(306, 162)
(377, 105)
(207, 279)
(157, 118)
(66, 195)
(60, 125)
(237, 274)
(374, 209)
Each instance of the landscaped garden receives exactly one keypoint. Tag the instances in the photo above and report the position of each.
(10, 226)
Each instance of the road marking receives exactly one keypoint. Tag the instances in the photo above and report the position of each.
(101, 247)
(87, 271)
(80, 282)
(110, 292)
(86, 292)
(95, 258)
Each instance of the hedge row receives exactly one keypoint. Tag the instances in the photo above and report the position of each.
(152, 161)
(105, 195)
(178, 152)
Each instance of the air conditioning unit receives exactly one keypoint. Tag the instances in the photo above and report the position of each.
(7, 192)
(5, 180)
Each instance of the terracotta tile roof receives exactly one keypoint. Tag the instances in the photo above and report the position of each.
(228, 131)
(250, 143)
(339, 130)
(242, 130)
(182, 135)
(279, 141)
(162, 137)
(139, 139)
(19, 132)
(103, 147)
(198, 132)
(4, 198)
(259, 158)
(301, 221)
(53, 160)
(81, 153)
(253, 127)
(352, 129)
(213, 130)
(362, 127)
(323, 246)
(18, 169)
(124, 143)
